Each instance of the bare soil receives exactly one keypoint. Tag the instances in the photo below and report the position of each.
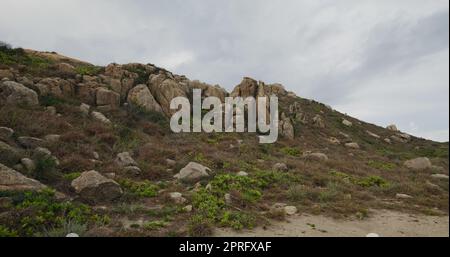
(384, 223)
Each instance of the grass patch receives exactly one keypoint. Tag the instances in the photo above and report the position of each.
(369, 181)
(379, 165)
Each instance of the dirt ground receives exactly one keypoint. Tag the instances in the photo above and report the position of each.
(383, 223)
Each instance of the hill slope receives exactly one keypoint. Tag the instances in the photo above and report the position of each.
(60, 117)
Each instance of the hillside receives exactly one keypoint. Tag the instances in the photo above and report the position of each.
(88, 149)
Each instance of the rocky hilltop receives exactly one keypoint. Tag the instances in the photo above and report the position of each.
(88, 150)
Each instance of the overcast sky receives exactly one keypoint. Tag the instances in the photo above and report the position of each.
(380, 61)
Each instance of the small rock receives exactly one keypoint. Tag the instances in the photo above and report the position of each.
(440, 176)
(187, 208)
(84, 108)
(334, 141)
(50, 110)
(100, 117)
(170, 162)
(373, 134)
(387, 140)
(124, 159)
(290, 210)
(403, 196)
(193, 172)
(347, 123)
(177, 198)
(352, 145)
(132, 171)
(95, 155)
(53, 138)
(280, 167)
(242, 174)
(316, 156)
(72, 235)
(372, 235)
(228, 199)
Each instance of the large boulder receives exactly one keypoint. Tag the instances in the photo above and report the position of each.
(141, 96)
(166, 90)
(17, 94)
(193, 172)
(420, 163)
(93, 187)
(11, 180)
(8, 154)
(107, 99)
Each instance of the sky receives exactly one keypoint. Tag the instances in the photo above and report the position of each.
(380, 61)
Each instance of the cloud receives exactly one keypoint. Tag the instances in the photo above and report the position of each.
(381, 61)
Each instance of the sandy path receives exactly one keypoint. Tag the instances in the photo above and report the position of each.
(384, 223)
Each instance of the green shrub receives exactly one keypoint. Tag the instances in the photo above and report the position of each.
(40, 212)
(6, 232)
(290, 151)
(72, 176)
(237, 220)
(152, 225)
(141, 189)
(199, 226)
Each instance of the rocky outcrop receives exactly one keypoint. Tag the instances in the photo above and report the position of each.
(141, 96)
(14, 93)
(55, 87)
(11, 180)
(209, 90)
(93, 187)
(392, 127)
(193, 172)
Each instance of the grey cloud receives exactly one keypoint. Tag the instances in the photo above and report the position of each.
(350, 54)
